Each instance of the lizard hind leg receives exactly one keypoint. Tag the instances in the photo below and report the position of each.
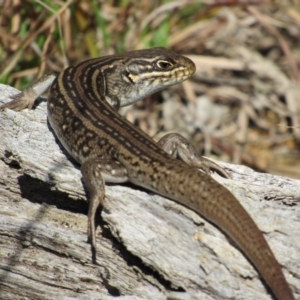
(95, 172)
(178, 146)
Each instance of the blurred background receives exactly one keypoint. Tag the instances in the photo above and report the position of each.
(241, 106)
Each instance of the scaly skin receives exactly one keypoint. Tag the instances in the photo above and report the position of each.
(82, 110)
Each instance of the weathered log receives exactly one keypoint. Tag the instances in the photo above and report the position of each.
(148, 247)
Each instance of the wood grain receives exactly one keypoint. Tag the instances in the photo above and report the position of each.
(148, 247)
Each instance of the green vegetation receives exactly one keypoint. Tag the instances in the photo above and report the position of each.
(41, 36)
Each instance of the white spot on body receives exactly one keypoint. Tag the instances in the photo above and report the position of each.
(85, 149)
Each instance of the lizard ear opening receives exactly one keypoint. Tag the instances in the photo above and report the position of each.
(129, 77)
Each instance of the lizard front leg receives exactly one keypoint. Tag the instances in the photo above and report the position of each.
(26, 98)
(95, 172)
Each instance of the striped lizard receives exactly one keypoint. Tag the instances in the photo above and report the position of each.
(83, 108)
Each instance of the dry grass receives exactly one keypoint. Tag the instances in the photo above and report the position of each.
(242, 105)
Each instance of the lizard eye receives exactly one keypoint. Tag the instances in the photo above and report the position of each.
(163, 64)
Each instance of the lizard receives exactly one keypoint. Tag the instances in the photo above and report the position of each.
(82, 109)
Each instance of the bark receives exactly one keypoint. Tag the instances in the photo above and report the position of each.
(148, 247)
